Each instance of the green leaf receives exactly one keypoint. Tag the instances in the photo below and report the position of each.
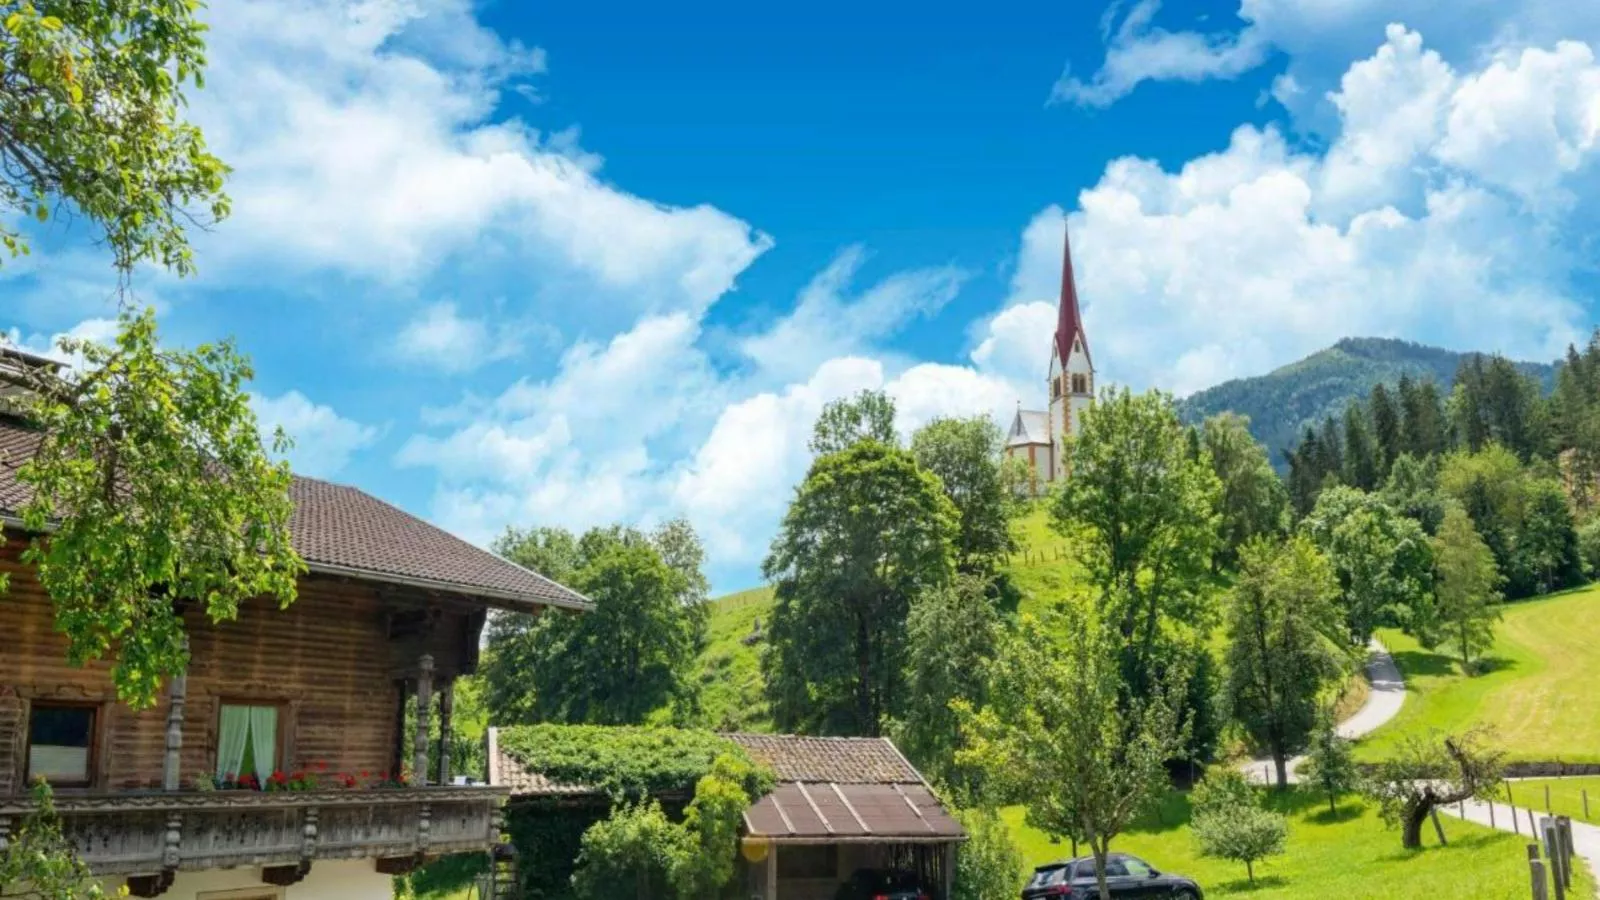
(42, 213)
(51, 22)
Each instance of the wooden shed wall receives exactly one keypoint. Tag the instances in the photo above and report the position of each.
(327, 659)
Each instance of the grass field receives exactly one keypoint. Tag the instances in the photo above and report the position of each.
(729, 676)
(1566, 796)
(1537, 693)
(1350, 856)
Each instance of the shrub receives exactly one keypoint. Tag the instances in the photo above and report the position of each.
(988, 863)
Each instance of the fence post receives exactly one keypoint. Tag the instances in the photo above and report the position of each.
(1491, 814)
(1552, 853)
(1586, 804)
(1564, 833)
(1536, 874)
(1547, 807)
(1438, 828)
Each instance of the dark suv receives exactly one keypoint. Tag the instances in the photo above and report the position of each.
(881, 884)
(1127, 877)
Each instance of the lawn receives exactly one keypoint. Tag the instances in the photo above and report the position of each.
(1536, 693)
(1566, 796)
(1044, 568)
(1351, 856)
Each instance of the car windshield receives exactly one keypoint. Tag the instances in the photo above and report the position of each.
(1048, 876)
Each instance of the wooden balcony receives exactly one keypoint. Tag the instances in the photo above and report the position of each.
(151, 836)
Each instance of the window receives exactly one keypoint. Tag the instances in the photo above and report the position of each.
(247, 741)
(1055, 388)
(61, 743)
(1080, 384)
(1137, 868)
(1115, 868)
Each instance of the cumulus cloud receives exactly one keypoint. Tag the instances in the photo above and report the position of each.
(365, 139)
(322, 440)
(441, 338)
(1257, 254)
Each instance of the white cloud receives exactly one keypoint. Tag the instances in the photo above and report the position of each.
(97, 330)
(442, 338)
(1253, 256)
(1320, 38)
(1138, 52)
(365, 138)
(828, 322)
(323, 440)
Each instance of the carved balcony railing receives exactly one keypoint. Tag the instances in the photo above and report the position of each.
(154, 835)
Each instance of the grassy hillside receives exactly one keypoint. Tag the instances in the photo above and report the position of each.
(1566, 796)
(1351, 856)
(1281, 403)
(1538, 694)
(730, 669)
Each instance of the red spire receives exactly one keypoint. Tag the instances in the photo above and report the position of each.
(1069, 325)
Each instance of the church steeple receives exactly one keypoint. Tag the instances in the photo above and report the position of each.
(1069, 322)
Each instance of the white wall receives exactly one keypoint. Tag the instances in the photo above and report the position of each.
(352, 879)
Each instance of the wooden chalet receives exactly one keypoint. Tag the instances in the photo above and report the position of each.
(391, 610)
(839, 805)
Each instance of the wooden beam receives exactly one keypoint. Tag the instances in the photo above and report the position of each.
(419, 743)
(396, 865)
(177, 693)
(447, 702)
(283, 876)
(150, 885)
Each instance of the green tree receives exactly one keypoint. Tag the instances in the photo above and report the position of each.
(1285, 644)
(1246, 834)
(953, 630)
(1589, 546)
(1228, 821)
(1426, 772)
(1058, 730)
(1142, 512)
(552, 552)
(868, 531)
(1382, 559)
(1330, 765)
(1362, 467)
(91, 102)
(156, 492)
(612, 665)
(1413, 491)
(41, 860)
(966, 455)
(987, 863)
(1466, 588)
(1253, 501)
(1547, 543)
(1386, 434)
(1423, 429)
(869, 415)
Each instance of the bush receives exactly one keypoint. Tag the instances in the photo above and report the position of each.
(632, 853)
(987, 865)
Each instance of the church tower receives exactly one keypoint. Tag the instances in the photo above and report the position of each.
(1040, 437)
(1071, 379)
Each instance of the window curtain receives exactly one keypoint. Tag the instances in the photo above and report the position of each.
(230, 743)
(264, 739)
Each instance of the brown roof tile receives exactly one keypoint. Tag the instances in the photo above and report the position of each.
(836, 759)
(341, 530)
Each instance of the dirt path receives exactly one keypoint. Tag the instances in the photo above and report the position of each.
(1388, 694)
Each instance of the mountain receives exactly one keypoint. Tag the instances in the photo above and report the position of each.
(1283, 402)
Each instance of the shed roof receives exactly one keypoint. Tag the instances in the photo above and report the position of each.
(829, 790)
(341, 530)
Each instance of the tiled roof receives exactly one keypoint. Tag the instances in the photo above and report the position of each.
(343, 531)
(829, 789)
(841, 760)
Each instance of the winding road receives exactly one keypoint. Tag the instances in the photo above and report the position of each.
(1388, 694)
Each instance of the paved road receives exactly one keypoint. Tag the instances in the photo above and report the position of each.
(1585, 837)
(1388, 694)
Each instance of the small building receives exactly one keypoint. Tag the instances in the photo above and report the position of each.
(839, 805)
(178, 799)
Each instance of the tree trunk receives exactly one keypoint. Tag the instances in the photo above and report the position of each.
(1100, 854)
(1281, 761)
(1411, 832)
(868, 722)
(1250, 871)
(1333, 808)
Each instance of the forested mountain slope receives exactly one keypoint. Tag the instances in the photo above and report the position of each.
(1283, 402)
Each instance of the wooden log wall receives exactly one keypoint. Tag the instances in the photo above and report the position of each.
(327, 659)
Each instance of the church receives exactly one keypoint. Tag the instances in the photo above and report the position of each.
(1040, 436)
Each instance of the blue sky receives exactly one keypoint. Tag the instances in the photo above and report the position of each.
(515, 263)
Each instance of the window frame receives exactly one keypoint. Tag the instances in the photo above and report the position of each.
(281, 746)
(96, 726)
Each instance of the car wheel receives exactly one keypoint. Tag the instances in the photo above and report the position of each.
(1184, 894)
